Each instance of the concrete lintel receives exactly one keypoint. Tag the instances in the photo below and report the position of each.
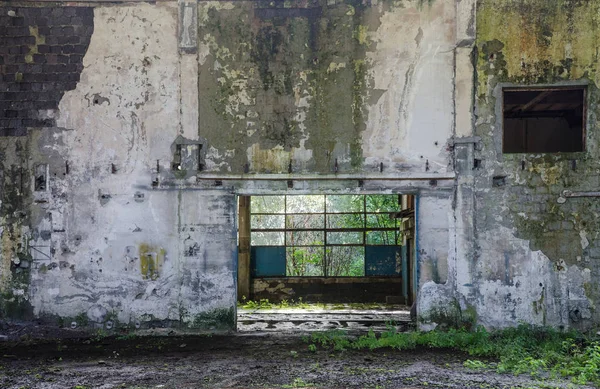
(464, 92)
(329, 177)
(340, 188)
(306, 187)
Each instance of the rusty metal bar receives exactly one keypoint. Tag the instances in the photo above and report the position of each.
(569, 194)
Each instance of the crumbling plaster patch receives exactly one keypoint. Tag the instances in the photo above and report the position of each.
(412, 69)
(15, 261)
(529, 258)
(117, 245)
(339, 87)
(518, 285)
(120, 114)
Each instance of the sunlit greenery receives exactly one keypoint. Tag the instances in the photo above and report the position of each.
(324, 235)
(525, 349)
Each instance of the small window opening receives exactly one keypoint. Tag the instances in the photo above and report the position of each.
(544, 120)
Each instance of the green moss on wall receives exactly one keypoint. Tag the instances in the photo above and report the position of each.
(216, 319)
(451, 316)
(15, 307)
(537, 41)
(528, 42)
(15, 261)
(277, 78)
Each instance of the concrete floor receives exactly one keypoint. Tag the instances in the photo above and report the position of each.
(320, 317)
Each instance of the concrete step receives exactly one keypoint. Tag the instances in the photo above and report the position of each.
(320, 321)
(323, 317)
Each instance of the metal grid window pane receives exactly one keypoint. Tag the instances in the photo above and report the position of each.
(268, 238)
(305, 204)
(345, 238)
(345, 221)
(344, 203)
(381, 220)
(346, 261)
(268, 204)
(305, 261)
(381, 203)
(305, 221)
(305, 238)
(382, 238)
(267, 222)
(325, 235)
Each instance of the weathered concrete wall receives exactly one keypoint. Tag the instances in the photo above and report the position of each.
(41, 57)
(521, 255)
(116, 199)
(104, 220)
(109, 237)
(296, 86)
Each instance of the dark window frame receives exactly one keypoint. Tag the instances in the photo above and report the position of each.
(544, 88)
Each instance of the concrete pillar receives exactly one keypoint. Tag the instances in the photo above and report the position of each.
(462, 264)
(244, 247)
(463, 94)
(465, 21)
(188, 56)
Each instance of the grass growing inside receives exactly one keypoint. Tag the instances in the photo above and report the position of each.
(524, 349)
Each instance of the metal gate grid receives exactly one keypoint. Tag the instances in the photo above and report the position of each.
(325, 235)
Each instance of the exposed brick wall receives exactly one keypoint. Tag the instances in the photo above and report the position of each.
(41, 57)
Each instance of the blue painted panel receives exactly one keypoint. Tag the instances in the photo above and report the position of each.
(382, 260)
(267, 261)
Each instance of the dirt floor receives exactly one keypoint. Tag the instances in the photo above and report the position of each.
(271, 360)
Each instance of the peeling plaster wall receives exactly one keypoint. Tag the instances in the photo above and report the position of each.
(105, 217)
(297, 86)
(436, 301)
(521, 256)
(111, 237)
(41, 54)
(105, 222)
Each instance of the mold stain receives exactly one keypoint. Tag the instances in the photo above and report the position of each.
(287, 79)
(541, 42)
(273, 160)
(151, 260)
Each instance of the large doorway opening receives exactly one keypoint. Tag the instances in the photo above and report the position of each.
(351, 254)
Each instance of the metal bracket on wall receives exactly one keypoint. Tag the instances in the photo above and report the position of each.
(466, 140)
(188, 27)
